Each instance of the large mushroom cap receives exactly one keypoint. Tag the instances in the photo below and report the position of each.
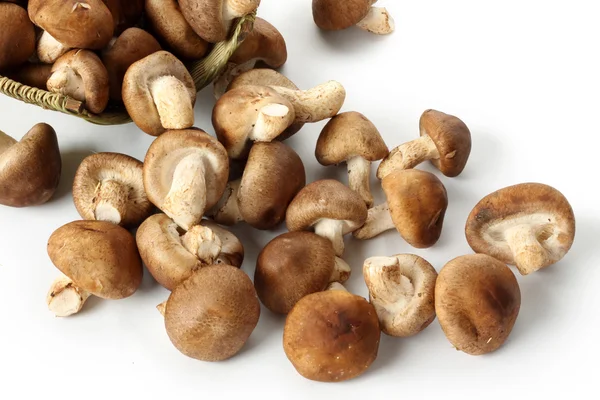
(30, 169)
(125, 13)
(211, 315)
(265, 43)
(477, 301)
(99, 257)
(336, 15)
(530, 225)
(17, 39)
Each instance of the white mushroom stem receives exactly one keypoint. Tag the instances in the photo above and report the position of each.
(388, 287)
(173, 103)
(408, 155)
(111, 201)
(227, 211)
(334, 231)
(229, 73)
(49, 49)
(336, 286)
(359, 175)
(378, 21)
(162, 308)
(341, 271)
(64, 298)
(236, 8)
(378, 221)
(202, 243)
(6, 142)
(68, 82)
(316, 104)
(186, 199)
(528, 253)
(272, 120)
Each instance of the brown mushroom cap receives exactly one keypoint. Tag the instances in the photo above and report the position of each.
(331, 336)
(336, 15)
(30, 169)
(75, 24)
(418, 202)
(30, 74)
(125, 13)
(17, 39)
(211, 315)
(477, 301)
(265, 43)
(99, 257)
(530, 225)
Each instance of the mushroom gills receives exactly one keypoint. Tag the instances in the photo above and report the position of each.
(65, 298)
(49, 49)
(378, 21)
(173, 103)
(408, 156)
(316, 104)
(111, 201)
(389, 284)
(67, 82)
(378, 221)
(359, 171)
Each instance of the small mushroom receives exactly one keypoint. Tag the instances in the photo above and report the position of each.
(81, 75)
(30, 169)
(49, 49)
(125, 13)
(335, 15)
(331, 336)
(477, 301)
(330, 208)
(401, 288)
(530, 225)
(185, 174)
(445, 141)
(97, 258)
(159, 94)
(416, 206)
(351, 138)
(294, 265)
(110, 187)
(17, 39)
(212, 314)
(32, 74)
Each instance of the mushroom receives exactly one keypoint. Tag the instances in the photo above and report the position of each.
(477, 301)
(17, 39)
(125, 13)
(317, 104)
(530, 225)
(232, 249)
(212, 314)
(212, 19)
(30, 169)
(81, 75)
(76, 24)
(445, 141)
(293, 265)
(159, 94)
(97, 258)
(416, 206)
(335, 15)
(330, 208)
(351, 138)
(331, 336)
(273, 175)
(32, 74)
(131, 46)
(49, 49)
(185, 174)
(401, 288)
(110, 187)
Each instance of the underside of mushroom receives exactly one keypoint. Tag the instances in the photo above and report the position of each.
(65, 298)
(378, 221)
(378, 21)
(227, 211)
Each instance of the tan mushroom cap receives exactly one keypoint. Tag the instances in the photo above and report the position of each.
(334, 15)
(30, 169)
(110, 187)
(17, 39)
(76, 24)
(30, 74)
(530, 225)
(212, 314)
(125, 13)
(99, 257)
(477, 301)
(265, 43)
(331, 336)
(81, 75)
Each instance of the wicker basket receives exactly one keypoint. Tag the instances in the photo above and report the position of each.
(204, 72)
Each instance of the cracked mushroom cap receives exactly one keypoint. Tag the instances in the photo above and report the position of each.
(265, 43)
(30, 169)
(125, 13)
(211, 315)
(530, 225)
(17, 39)
(110, 187)
(334, 15)
(477, 301)
(99, 257)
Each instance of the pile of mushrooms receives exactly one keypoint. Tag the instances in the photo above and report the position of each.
(183, 195)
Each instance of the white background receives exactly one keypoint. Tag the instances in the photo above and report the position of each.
(523, 75)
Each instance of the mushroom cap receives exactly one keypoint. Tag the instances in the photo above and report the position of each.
(32, 74)
(331, 336)
(265, 43)
(326, 199)
(125, 13)
(121, 168)
(17, 39)
(349, 135)
(75, 24)
(136, 88)
(30, 169)
(418, 202)
(333, 15)
(211, 315)
(232, 249)
(131, 46)
(452, 139)
(170, 26)
(292, 266)
(273, 176)
(99, 257)
(542, 208)
(477, 301)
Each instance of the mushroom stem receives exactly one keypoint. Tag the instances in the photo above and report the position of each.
(378, 21)
(162, 307)
(341, 271)
(202, 243)
(231, 71)
(359, 171)
(111, 201)
(334, 231)
(272, 120)
(64, 298)
(528, 253)
(316, 104)
(227, 211)
(68, 83)
(336, 286)
(173, 103)
(49, 49)
(408, 155)
(6, 142)
(386, 282)
(378, 221)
